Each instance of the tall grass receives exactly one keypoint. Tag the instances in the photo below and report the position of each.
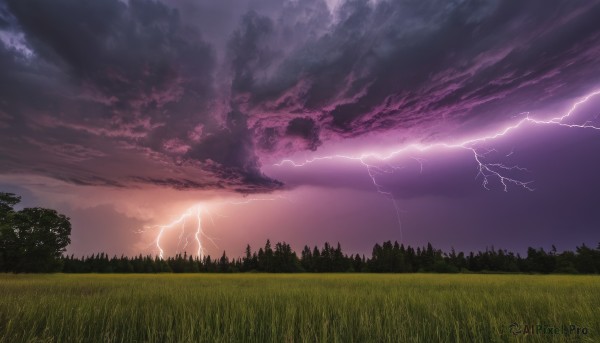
(294, 308)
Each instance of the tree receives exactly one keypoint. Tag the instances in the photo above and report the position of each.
(247, 258)
(306, 259)
(42, 235)
(7, 237)
(33, 239)
(268, 258)
(224, 263)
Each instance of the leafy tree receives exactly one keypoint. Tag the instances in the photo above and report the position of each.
(8, 243)
(33, 239)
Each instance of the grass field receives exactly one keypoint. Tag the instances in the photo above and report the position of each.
(295, 308)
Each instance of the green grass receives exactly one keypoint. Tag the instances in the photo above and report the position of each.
(294, 308)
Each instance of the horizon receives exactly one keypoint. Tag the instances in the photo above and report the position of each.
(346, 253)
(159, 127)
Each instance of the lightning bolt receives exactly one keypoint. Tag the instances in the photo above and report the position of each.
(486, 170)
(195, 214)
(194, 211)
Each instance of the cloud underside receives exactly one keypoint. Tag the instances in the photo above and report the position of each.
(197, 95)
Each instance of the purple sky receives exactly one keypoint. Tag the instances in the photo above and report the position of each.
(125, 114)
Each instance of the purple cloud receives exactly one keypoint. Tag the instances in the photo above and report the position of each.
(199, 95)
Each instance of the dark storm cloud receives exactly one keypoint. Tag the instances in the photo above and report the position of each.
(194, 94)
(428, 65)
(306, 129)
(136, 64)
(247, 52)
(122, 79)
(4, 17)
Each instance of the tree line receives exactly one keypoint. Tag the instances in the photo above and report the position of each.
(386, 258)
(35, 239)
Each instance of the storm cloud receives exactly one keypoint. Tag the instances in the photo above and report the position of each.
(201, 94)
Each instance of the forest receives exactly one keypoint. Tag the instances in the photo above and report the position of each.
(35, 240)
(386, 258)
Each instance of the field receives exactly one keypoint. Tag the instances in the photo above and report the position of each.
(297, 308)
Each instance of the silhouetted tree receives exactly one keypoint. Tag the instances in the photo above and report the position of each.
(33, 239)
(224, 264)
(248, 261)
(8, 240)
(386, 258)
(306, 259)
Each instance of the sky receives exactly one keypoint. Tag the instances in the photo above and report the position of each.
(200, 126)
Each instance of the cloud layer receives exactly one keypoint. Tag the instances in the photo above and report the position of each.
(198, 94)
